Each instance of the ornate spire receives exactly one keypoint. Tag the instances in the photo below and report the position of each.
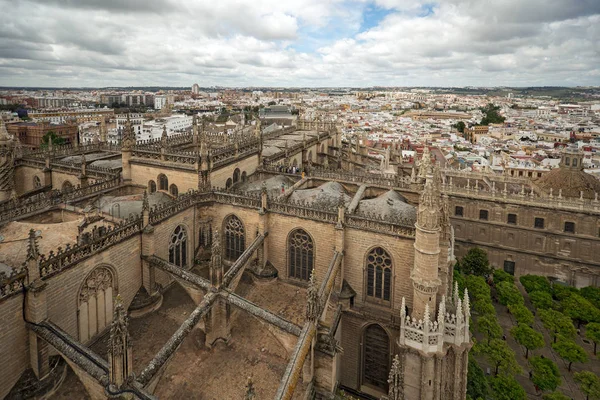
(312, 306)
(128, 135)
(120, 357)
(164, 136)
(32, 248)
(396, 380)
(4, 136)
(145, 203)
(428, 211)
(250, 393)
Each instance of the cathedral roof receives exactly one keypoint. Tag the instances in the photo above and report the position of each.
(570, 178)
(327, 195)
(389, 205)
(571, 182)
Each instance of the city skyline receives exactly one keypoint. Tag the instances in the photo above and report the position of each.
(265, 43)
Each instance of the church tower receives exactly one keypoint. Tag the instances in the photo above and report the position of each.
(7, 168)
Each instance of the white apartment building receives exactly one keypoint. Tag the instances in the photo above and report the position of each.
(160, 102)
(175, 124)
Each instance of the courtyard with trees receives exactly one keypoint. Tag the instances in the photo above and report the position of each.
(533, 338)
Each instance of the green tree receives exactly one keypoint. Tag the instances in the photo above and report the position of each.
(488, 325)
(477, 384)
(555, 396)
(51, 136)
(501, 357)
(460, 280)
(592, 332)
(521, 313)
(475, 262)
(580, 309)
(589, 384)
(502, 276)
(531, 283)
(507, 388)
(491, 115)
(592, 294)
(561, 292)
(545, 374)
(508, 293)
(570, 351)
(541, 300)
(484, 307)
(478, 288)
(527, 337)
(557, 323)
(460, 126)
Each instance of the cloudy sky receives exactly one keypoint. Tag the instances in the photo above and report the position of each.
(299, 42)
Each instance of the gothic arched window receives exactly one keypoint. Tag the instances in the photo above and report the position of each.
(178, 247)
(379, 274)
(151, 187)
(301, 251)
(173, 190)
(95, 309)
(235, 239)
(376, 357)
(228, 183)
(163, 182)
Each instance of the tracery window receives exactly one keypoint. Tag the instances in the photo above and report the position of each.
(235, 238)
(379, 274)
(178, 247)
(95, 310)
(376, 357)
(37, 182)
(301, 252)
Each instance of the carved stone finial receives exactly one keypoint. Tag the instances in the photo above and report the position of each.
(32, 248)
(145, 203)
(312, 298)
(396, 380)
(250, 392)
(120, 357)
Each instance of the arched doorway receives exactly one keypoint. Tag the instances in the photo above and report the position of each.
(376, 357)
(178, 247)
(95, 303)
